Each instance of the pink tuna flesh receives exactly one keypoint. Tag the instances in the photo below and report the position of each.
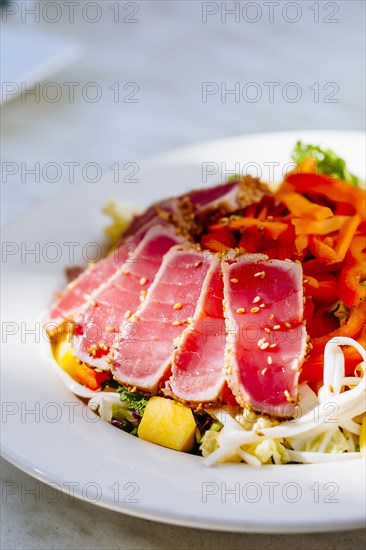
(197, 371)
(143, 355)
(266, 339)
(110, 306)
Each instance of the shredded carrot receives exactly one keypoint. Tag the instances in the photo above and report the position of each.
(324, 227)
(89, 377)
(219, 241)
(321, 250)
(350, 289)
(274, 229)
(345, 236)
(301, 207)
(335, 190)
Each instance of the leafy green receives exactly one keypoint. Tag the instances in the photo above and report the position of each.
(134, 401)
(328, 162)
(337, 443)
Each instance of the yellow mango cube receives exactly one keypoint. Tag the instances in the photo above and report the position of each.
(62, 352)
(168, 423)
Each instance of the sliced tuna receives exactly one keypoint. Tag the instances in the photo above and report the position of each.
(143, 355)
(115, 301)
(77, 293)
(197, 370)
(266, 341)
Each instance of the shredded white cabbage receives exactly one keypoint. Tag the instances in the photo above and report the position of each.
(313, 437)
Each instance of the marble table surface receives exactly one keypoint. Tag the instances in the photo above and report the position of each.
(151, 76)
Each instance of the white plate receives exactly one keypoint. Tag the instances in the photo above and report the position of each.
(49, 434)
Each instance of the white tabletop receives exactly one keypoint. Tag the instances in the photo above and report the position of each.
(176, 61)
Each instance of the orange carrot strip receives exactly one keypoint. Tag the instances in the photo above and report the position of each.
(350, 289)
(322, 251)
(345, 235)
(89, 377)
(219, 241)
(335, 190)
(301, 207)
(274, 229)
(324, 227)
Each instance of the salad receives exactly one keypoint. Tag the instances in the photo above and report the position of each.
(229, 322)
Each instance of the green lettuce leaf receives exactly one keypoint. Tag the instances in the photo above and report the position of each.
(329, 163)
(336, 443)
(134, 401)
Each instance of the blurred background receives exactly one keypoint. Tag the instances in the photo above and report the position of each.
(90, 86)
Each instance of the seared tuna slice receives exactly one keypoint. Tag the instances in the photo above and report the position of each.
(197, 371)
(266, 339)
(77, 293)
(144, 353)
(114, 302)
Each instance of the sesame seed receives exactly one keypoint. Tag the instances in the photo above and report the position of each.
(178, 305)
(286, 393)
(261, 341)
(276, 327)
(263, 371)
(288, 325)
(267, 330)
(271, 317)
(269, 360)
(143, 292)
(305, 281)
(125, 272)
(110, 329)
(261, 274)
(240, 310)
(264, 346)
(234, 280)
(198, 264)
(128, 314)
(143, 281)
(254, 310)
(177, 323)
(262, 305)
(256, 299)
(272, 346)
